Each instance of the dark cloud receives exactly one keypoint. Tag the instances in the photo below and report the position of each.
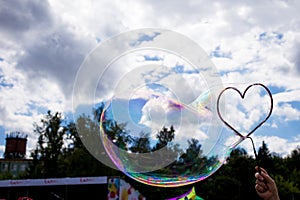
(296, 57)
(51, 48)
(16, 17)
(57, 55)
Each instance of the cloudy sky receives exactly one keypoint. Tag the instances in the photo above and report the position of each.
(43, 44)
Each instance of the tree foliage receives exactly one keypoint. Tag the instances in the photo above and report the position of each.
(61, 152)
(49, 145)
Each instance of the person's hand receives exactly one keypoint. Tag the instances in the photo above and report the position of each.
(265, 186)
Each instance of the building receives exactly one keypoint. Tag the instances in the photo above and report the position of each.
(14, 161)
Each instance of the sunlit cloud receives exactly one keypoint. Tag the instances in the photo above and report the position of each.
(43, 44)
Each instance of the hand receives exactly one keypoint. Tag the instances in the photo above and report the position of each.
(265, 186)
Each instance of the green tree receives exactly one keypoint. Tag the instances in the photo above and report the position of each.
(287, 189)
(141, 144)
(73, 137)
(118, 134)
(264, 158)
(84, 151)
(51, 133)
(165, 137)
(192, 159)
(6, 175)
(35, 168)
(221, 187)
(293, 161)
(234, 180)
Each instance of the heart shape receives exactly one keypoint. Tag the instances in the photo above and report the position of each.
(242, 96)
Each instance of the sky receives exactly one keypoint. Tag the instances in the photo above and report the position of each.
(44, 43)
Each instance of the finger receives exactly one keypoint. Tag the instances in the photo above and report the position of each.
(267, 178)
(261, 184)
(263, 175)
(257, 168)
(263, 170)
(260, 189)
(259, 176)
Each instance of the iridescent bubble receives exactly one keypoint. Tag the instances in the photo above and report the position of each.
(172, 143)
(159, 124)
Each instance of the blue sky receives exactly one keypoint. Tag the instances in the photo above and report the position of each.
(43, 44)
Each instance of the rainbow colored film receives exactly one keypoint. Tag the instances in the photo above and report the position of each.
(160, 141)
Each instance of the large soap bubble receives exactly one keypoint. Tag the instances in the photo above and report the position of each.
(159, 124)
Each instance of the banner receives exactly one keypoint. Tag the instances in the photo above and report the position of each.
(54, 181)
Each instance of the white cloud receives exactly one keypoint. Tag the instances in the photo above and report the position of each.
(275, 144)
(287, 112)
(287, 96)
(44, 43)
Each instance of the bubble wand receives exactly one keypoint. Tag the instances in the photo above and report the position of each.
(242, 95)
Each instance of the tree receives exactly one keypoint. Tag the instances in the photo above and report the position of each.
(287, 189)
(264, 158)
(6, 175)
(141, 144)
(292, 167)
(165, 137)
(192, 158)
(98, 111)
(240, 167)
(73, 137)
(221, 187)
(49, 146)
(35, 168)
(294, 159)
(118, 134)
(80, 158)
